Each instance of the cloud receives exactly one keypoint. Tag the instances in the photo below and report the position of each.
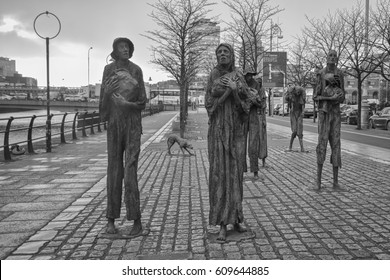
(8, 25)
(12, 25)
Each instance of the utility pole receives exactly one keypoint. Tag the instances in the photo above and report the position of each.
(89, 92)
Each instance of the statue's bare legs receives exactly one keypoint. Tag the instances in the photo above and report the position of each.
(291, 142)
(336, 178)
(319, 174)
(301, 144)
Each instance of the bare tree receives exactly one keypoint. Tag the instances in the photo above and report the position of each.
(360, 53)
(381, 25)
(323, 35)
(303, 63)
(308, 54)
(249, 18)
(178, 44)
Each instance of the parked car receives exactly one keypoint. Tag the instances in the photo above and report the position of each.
(75, 98)
(381, 119)
(284, 111)
(19, 95)
(350, 115)
(41, 97)
(309, 111)
(344, 107)
(6, 97)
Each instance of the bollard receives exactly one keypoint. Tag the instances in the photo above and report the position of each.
(364, 115)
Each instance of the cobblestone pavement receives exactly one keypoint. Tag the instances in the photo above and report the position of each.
(52, 208)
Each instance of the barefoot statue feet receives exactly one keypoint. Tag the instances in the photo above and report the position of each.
(137, 228)
(239, 228)
(110, 227)
(222, 234)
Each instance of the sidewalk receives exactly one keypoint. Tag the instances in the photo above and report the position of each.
(52, 206)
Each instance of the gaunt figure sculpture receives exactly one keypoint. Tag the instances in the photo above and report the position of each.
(329, 93)
(122, 99)
(296, 99)
(227, 105)
(257, 129)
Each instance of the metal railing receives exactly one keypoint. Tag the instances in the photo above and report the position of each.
(81, 121)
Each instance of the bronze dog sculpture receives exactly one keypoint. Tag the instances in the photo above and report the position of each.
(183, 143)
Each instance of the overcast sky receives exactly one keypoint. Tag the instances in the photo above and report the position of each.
(96, 23)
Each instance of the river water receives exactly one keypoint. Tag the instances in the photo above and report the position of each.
(22, 120)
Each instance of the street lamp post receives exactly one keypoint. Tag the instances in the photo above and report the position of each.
(284, 86)
(47, 38)
(89, 92)
(150, 95)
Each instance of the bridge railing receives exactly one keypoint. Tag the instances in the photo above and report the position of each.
(80, 122)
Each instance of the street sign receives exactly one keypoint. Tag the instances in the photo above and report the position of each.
(274, 69)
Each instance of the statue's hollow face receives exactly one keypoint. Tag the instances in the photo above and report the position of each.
(248, 78)
(122, 50)
(332, 57)
(224, 56)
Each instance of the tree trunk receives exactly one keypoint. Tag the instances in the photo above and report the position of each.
(359, 101)
(182, 112)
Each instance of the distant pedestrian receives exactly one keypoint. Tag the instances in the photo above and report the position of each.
(296, 99)
(122, 99)
(329, 93)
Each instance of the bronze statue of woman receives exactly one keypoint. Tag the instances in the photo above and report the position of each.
(227, 105)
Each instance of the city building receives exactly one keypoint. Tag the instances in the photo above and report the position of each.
(208, 45)
(7, 67)
(377, 89)
(10, 77)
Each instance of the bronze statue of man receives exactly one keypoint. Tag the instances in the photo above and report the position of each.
(329, 93)
(122, 99)
(257, 138)
(296, 99)
(227, 105)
